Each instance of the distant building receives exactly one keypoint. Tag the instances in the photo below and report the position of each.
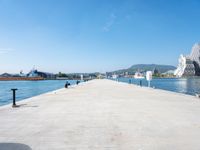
(169, 73)
(155, 71)
(33, 73)
(21, 74)
(45, 75)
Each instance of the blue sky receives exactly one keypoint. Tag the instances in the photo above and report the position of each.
(95, 35)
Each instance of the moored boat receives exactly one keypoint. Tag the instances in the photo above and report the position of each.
(138, 75)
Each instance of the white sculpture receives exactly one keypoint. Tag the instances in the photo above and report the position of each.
(189, 65)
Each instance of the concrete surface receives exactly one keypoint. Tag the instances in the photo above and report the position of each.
(103, 115)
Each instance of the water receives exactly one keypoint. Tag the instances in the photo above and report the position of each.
(189, 86)
(28, 89)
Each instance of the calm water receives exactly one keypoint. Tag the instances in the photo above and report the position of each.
(189, 86)
(28, 89)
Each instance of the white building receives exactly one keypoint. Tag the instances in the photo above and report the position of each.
(189, 65)
(185, 67)
(195, 57)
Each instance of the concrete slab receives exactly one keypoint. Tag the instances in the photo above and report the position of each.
(103, 115)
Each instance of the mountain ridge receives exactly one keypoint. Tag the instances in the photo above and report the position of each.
(145, 67)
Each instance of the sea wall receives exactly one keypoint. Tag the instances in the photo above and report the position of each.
(20, 78)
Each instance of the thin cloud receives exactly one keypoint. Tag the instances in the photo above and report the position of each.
(110, 22)
(6, 50)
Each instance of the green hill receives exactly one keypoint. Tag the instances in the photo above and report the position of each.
(145, 67)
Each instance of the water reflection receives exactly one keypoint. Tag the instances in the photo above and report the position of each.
(189, 86)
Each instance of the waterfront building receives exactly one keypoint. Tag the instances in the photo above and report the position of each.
(156, 71)
(195, 57)
(169, 73)
(33, 73)
(185, 67)
(45, 75)
(21, 74)
(189, 65)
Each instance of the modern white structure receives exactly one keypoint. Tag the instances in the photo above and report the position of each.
(195, 54)
(189, 65)
(195, 57)
(185, 67)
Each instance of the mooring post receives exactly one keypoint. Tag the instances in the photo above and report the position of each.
(14, 97)
(129, 81)
(77, 82)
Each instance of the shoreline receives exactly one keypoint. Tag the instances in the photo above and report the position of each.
(21, 78)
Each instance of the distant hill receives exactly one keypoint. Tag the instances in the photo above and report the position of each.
(145, 67)
(5, 75)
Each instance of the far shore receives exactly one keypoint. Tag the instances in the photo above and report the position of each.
(34, 79)
(20, 78)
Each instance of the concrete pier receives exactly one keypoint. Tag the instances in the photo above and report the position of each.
(102, 115)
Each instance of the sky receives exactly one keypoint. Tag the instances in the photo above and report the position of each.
(95, 35)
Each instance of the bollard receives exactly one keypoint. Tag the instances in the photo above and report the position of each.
(129, 81)
(140, 82)
(67, 84)
(14, 103)
(77, 82)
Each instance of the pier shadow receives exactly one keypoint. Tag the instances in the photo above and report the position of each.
(25, 105)
(14, 146)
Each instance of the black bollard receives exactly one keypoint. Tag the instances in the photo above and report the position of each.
(67, 84)
(14, 103)
(77, 82)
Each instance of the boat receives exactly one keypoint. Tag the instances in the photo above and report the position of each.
(114, 76)
(138, 75)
